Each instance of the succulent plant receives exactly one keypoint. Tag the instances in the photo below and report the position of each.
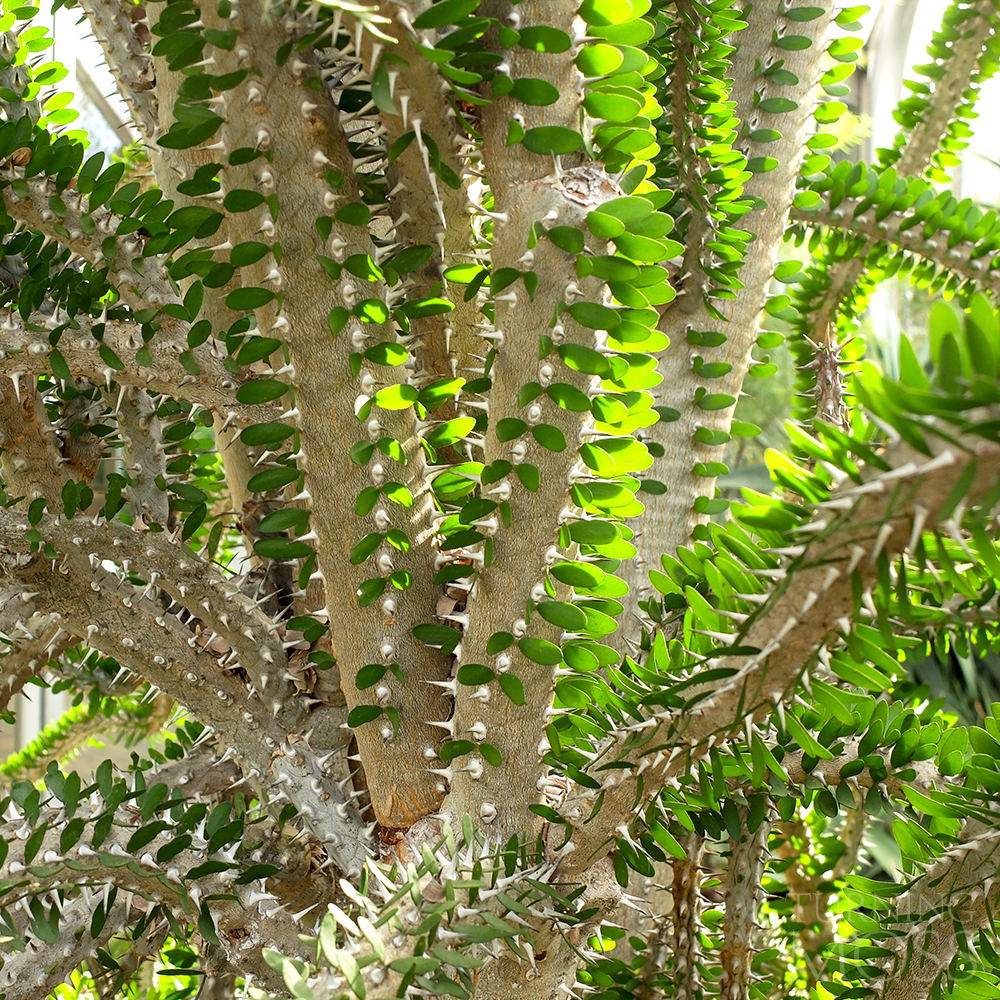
(360, 453)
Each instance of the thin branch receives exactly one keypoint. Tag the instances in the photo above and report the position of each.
(827, 771)
(198, 586)
(428, 209)
(950, 91)
(254, 913)
(962, 258)
(110, 721)
(743, 894)
(689, 131)
(685, 920)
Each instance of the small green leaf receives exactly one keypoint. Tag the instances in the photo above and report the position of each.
(540, 650)
(444, 13)
(247, 253)
(396, 397)
(273, 479)
(270, 433)
(361, 714)
(281, 520)
(370, 311)
(534, 92)
(387, 353)
(355, 214)
(261, 391)
(246, 299)
(474, 674)
(594, 315)
(242, 201)
(549, 437)
(777, 105)
(552, 139)
(438, 635)
(541, 38)
(282, 548)
(567, 238)
(510, 428)
(455, 748)
(369, 675)
(512, 687)
(604, 226)
(498, 642)
(529, 477)
(566, 616)
(365, 548)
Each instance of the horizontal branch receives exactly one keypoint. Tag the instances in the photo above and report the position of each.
(86, 856)
(980, 269)
(827, 771)
(141, 281)
(36, 972)
(27, 353)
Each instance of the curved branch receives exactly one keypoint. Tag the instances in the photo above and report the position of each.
(196, 585)
(247, 916)
(36, 972)
(119, 621)
(869, 519)
(950, 91)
